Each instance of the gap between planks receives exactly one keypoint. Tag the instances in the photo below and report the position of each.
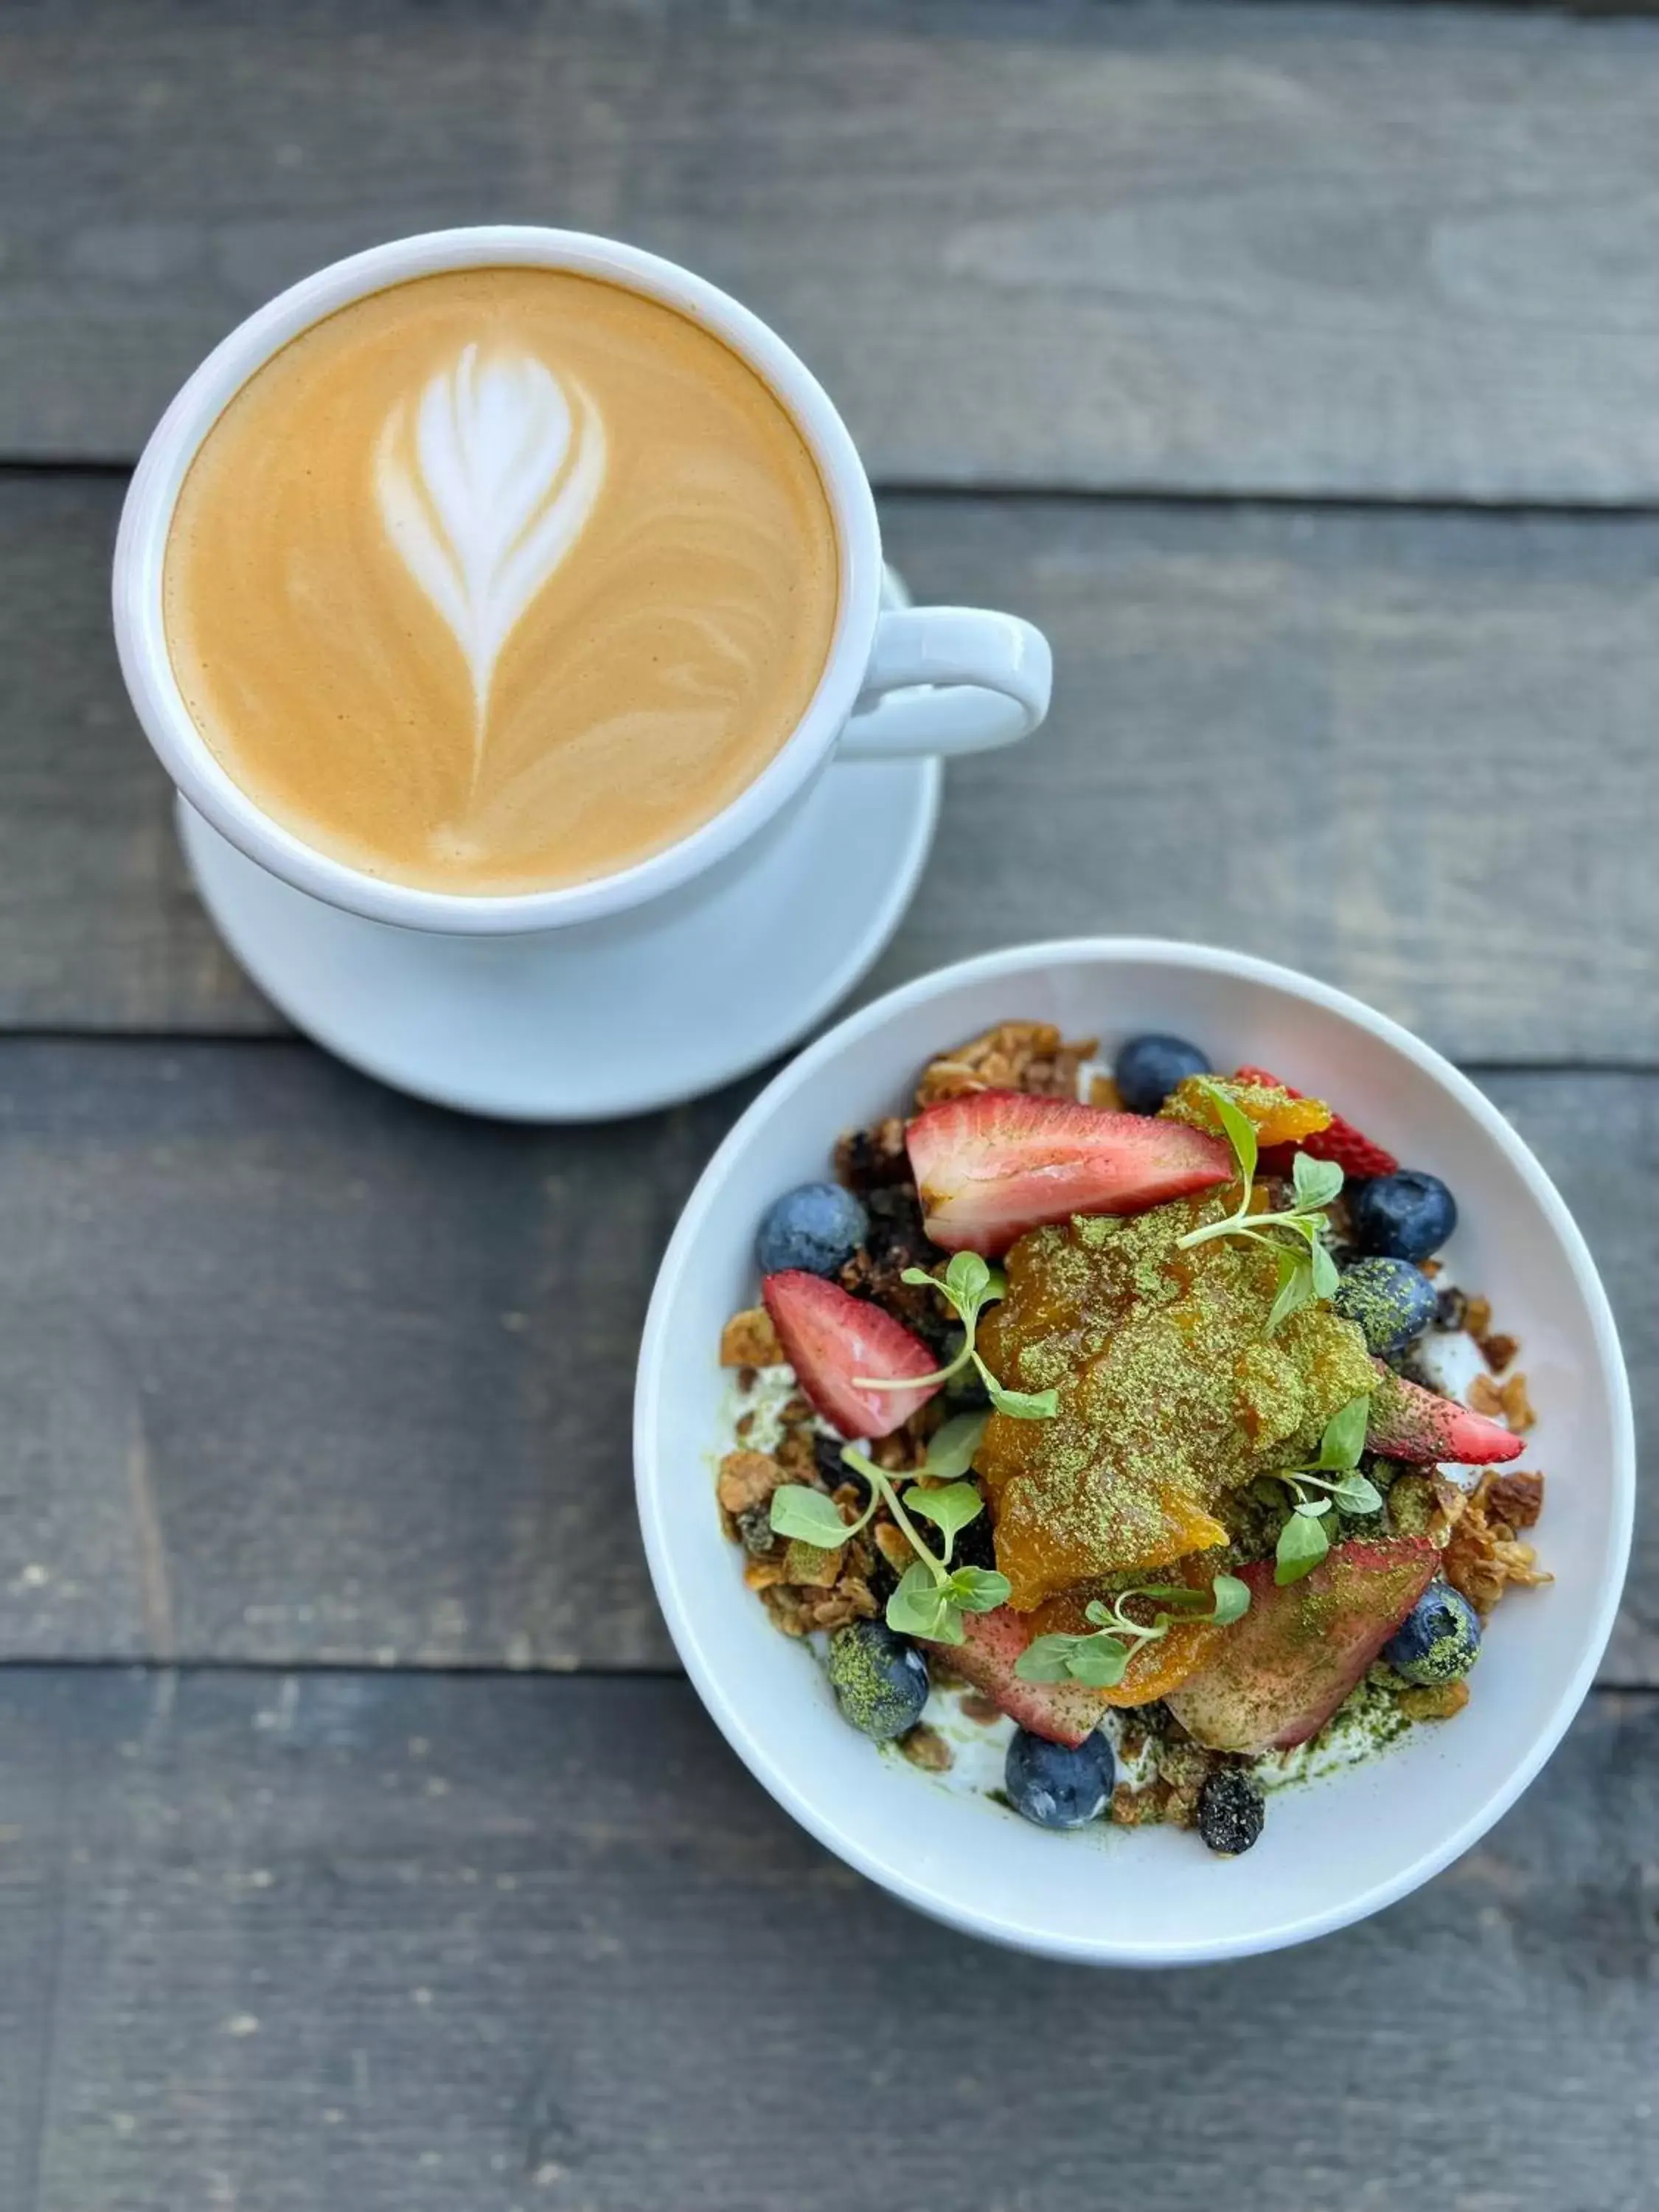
(425, 1670)
(27, 468)
(291, 1040)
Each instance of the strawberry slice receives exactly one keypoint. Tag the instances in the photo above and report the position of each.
(1065, 1712)
(1352, 1151)
(831, 1338)
(1407, 1422)
(993, 1163)
(1282, 1672)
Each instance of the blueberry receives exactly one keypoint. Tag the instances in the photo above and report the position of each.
(817, 1227)
(1438, 1640)
(880, 1681)
(1392, 1301)
(1056, 1785)
(1149, 1067)
(1406, 1216)
(1231, 1811)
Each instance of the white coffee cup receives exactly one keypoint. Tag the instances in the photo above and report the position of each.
(989, 673)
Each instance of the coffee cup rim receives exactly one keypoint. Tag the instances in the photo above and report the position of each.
(152, 496)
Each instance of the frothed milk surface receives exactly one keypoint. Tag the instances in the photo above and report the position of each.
(499, 579)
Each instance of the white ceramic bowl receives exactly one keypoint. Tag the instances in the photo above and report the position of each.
(1335, 1850)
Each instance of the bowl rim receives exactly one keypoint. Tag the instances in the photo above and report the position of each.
(655, 1350)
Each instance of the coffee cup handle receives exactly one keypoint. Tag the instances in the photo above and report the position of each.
(948, 680)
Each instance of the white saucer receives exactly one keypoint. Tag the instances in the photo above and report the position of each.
(616, 1017)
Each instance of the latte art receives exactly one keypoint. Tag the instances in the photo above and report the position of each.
(499, 579)
(484, 485)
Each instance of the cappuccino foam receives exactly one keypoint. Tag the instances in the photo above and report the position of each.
(499, 579)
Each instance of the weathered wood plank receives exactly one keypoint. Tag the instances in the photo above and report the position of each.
(1390, 252)
(297, 1371)
(34, 1850)
(429, 1945)
(100, 926)
(1412, 752)
(290, 1366)
(1599, 1139)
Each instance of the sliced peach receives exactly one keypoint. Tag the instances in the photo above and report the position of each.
(1283, 1670)
(1065, 1712)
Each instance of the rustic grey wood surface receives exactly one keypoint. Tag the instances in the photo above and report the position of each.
(423, 1944)
(1395, 252)
(324, 1886)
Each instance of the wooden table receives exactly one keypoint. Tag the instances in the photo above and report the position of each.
(360, 1848)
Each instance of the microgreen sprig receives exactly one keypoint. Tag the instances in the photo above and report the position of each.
(1103, 1659)
(1332, 1479)
(931, 1595)
(1306, 1269)
(969, 1284)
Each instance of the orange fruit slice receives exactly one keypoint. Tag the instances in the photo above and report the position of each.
(1280, 1119)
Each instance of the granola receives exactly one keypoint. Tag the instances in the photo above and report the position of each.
(1485, 1554)
(749, 1339)
(1029, 1056)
